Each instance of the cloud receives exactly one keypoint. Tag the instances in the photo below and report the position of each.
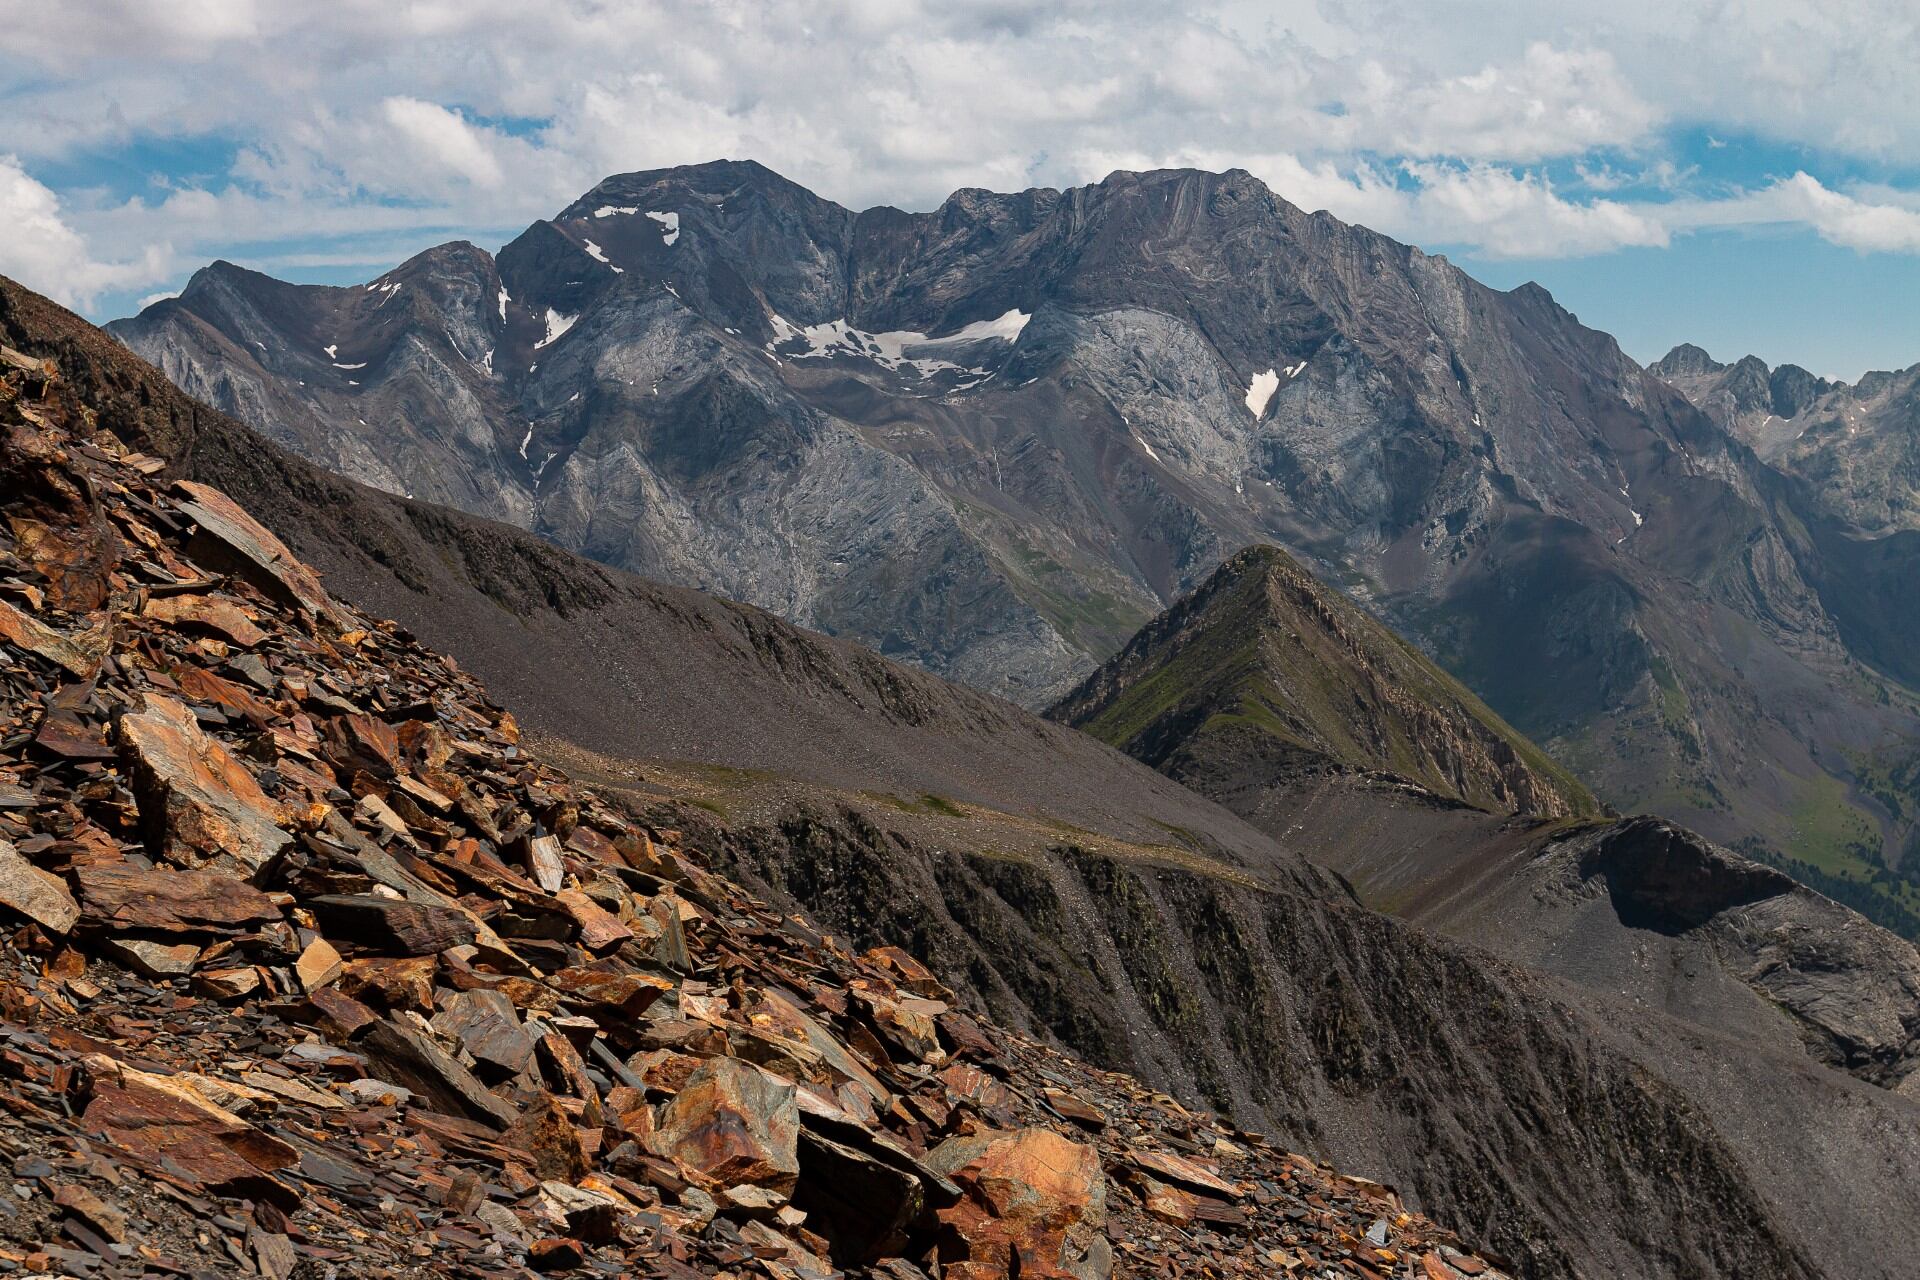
(439, 138)
(1868, 226)
(1843, 220)
(345, 130)
(41, 251)
(1551, 102)
(1493, 211)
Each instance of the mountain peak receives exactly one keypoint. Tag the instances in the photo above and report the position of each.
(1683, 361)
(1264, 668)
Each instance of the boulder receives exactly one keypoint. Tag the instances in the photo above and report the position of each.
(200, 806)
(732, 1123)
(1035, 1205)
(38, 895)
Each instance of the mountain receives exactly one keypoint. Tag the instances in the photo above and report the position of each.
(304, 949)
(1263, 672)
(1284, 701)
(1856, 446)
(995, 438)
(1584, 1133)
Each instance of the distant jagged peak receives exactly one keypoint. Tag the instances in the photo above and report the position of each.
(1685, 360)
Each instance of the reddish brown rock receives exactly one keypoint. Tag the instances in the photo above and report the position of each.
(732, 1123)
(154, 959)
(57, 523)
(626, 994)
(395, 927)
(94, 1211)
(38, 895)
(318, 966)
(408, 1057)
(208, 614)
(202, 686)
(600, 929)
(545, 1134)
(67, 736)
(162, 1120)
(200, 806)
(80, 653)
(126, 896)
(232, 540)
(1035, 1205)
(908, 972)
(556, 1253)
(1187, 1173)
(542, 856)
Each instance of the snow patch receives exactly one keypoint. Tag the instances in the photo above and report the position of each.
(669, 225)
(557, 325)
(1261, 390)
(594, 252)
(332, 351)
(361, 365)
(1137, 439)
(608, 210)
(895, 349)
(504, 300)
(1293, 370)
(526, 440)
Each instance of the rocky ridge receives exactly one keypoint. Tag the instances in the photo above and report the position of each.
(1261, 649)
(994, 438)
(313, 968)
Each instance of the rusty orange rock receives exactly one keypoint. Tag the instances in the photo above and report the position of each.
(80, 653)
(38, 895)
(126, 896)
(206, 614)
(731, 1124)
(1036, 1206)
(545, 1133)
(200, 806)
(163, 1119)
(231, 539)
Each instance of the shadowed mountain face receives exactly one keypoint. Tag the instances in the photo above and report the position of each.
(1077, 895)
(994, 439)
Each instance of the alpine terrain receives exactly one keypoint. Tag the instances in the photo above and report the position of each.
(910, 912)
(996, 438)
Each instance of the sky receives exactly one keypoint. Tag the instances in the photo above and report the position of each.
(1742, 174)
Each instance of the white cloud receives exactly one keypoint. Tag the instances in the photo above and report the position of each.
(1884, 225)
(1550, 102)
(1844, 220)
(360, 123)
(437, 137)
(1494, 211)
(41, 251)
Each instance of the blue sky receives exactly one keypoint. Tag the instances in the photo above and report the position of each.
(1744, 174)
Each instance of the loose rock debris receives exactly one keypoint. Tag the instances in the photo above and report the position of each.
(310, 971)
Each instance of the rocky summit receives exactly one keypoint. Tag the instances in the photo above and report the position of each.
(312, 969)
